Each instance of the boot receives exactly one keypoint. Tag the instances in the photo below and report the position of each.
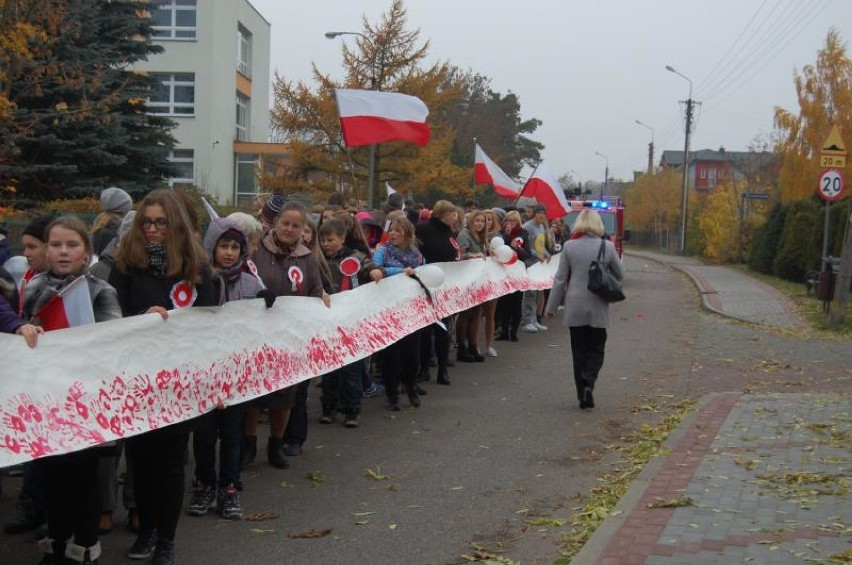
(78, 554)
(502, 333)
(477, 356)
(463, 355)
(513, 333)
(248, 451)
(413, 396)
(443, 376)
(275, 453)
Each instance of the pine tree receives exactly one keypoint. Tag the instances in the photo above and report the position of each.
(79, 120)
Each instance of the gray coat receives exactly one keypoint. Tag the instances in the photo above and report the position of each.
(582, 308)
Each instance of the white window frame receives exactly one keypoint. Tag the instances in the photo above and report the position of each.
(182, 155)
(171, 106)
(703, 173)
(174, 32)
(244, 41)
(254, 160)
(243, 116)
(712, 178)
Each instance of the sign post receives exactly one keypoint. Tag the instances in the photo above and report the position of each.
(830, 188)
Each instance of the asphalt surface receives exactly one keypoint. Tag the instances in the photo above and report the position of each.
(504, 442)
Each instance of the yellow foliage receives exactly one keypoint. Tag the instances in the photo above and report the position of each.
(824, 94)
(653, 202)
(724, 230)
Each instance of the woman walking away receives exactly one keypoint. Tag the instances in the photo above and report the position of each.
(73, 505)
(160, 255)
(586, 314)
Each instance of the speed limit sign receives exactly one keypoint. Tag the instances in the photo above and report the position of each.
(831, 183)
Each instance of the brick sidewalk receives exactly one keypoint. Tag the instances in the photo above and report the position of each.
(766, 479)
(732, 293)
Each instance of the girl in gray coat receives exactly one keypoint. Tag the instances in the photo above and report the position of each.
(586, 314)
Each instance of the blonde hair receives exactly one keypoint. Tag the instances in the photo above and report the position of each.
(588, 221)
(407, 229)
(513, 215)
(248, 224)
(481, 237)
(443, 207)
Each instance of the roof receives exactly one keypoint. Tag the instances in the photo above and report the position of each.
(675, 158)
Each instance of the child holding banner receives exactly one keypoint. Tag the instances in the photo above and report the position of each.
(160, 266)
(343, 388)
(65, 296)
(287, 268)
(400, 359)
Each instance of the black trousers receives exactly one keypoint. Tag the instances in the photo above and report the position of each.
(226, 427)
(73, 503)
(297, 426)
(587, 353)
(442, 343)
(509, 307)
(400, 363)
(158, 460)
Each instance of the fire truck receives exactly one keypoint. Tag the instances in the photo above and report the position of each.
(611, 211)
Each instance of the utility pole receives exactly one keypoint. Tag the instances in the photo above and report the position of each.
(685, 180)
(650, 147)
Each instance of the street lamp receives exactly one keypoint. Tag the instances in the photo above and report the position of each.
(685, 180)
(606, 172)
(374, 85)
(650, 148)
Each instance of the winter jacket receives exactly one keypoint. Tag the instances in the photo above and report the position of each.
(140, 289)
(436, 241)
(9, 319)
(394, 260)
(273, 266)
(541, 240)
(582, 307)
(235, 283)
(469, 246)
(42, 289)
(363, 275)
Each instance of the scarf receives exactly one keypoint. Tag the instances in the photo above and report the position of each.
(230, 275)
(397, 257)
(157, 260)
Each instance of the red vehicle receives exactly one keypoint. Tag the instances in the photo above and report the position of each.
(611, 210)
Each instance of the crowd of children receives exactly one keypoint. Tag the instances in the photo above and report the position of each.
(148, 256)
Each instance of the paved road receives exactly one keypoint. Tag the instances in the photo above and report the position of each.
(504, 443)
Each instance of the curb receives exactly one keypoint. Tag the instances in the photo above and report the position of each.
(594, 548)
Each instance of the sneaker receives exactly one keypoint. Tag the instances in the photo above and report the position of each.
(491, 352)
(529, 328)
(203, 499)
(228, 504)
(144, 546)
(165, 552)
(327, 417)
(541, 327)
(292, 449)
(351, 421)
(373, 390)
(420, 390)
(413, 397)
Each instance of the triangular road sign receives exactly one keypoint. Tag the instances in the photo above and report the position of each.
(833, 143)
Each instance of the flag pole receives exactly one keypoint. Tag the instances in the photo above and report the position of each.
(473, 182)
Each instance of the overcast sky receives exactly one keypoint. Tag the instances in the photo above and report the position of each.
(588, 69)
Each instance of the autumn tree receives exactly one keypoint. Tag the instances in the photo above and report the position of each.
(76, 118)
(824, 93)
(388, 56)
(653, 202)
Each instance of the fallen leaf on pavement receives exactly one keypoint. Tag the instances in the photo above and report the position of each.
(308, 534)
(261, 516)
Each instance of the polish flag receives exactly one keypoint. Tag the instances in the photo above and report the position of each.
(370, 116)
(544, 187)
(487, 172)
(389, 189)
(71, 307)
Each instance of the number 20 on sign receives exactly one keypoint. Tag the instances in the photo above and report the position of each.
(831, 183)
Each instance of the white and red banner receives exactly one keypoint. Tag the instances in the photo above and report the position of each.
(545, 188)
(370, 116)
(487, 172)
(70, 308)
(92, 384)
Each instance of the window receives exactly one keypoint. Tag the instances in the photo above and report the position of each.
(704, 173)
(246, 174)
(175, 96)
(712, 178)
(243, 109)
(244, 51)
(174, 19)
(184, 162)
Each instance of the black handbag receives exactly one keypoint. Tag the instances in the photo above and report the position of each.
(601, 280)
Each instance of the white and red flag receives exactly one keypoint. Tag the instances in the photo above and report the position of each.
(544, 187)
(487, 172)
(370, 116)
(71, 307)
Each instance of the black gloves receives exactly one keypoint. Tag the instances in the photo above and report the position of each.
(268, 297)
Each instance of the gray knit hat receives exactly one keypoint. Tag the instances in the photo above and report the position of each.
(500, 213)
(113, 199)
